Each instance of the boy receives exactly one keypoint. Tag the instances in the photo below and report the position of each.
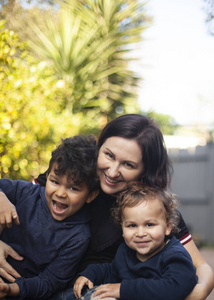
(151, 264)
(53, 233)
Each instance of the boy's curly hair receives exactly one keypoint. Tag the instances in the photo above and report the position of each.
(137, 192)
(77, 158)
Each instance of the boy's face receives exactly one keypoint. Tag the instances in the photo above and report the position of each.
(144, 228)
(65, 198)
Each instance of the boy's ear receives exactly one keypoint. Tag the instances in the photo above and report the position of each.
(92, 196)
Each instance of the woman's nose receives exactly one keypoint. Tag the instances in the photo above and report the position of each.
(113, 170)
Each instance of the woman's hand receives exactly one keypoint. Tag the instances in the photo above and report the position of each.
(4, 289)
(205, 274)
(6, 270)
(108, 290)
(11, 289)
(79, 284)
(199, 292)
(202, 289)
(8, 212)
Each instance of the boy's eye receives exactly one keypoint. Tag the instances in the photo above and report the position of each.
(54, 181)
(73, 188)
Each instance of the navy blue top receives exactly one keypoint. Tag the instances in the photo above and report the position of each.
(169, 274)
(51, 249)
(106, 236)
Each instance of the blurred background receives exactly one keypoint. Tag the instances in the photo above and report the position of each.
(69, 67)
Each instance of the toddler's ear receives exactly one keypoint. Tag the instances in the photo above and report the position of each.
(169, 228)
(92, 196)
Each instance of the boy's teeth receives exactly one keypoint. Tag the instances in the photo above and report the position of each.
(59, 206)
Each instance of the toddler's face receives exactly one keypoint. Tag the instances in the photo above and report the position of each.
(65, 198)
(144, 228)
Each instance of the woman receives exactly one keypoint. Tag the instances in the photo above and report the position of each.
(131, 147)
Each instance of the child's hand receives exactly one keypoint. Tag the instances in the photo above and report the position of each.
(79, 284)
(108, 290)
(8, 212)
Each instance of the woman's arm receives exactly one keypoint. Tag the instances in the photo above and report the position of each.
(7, 214)
(204, 271)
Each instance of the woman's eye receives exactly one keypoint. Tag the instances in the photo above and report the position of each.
(109, 155)
(129, 165)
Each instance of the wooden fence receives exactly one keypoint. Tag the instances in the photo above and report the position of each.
(193, 182)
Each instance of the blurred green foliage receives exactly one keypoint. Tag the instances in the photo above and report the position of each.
(88, 44)
(166, 123)
(66, 72)
(31, 119)
(75, 80)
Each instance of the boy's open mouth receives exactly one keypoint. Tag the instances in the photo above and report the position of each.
(59, 207)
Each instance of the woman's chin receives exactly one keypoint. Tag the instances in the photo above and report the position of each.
(111, 189)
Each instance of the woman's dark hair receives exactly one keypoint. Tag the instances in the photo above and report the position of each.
(137, 192)
(77, 158)
(157, 166)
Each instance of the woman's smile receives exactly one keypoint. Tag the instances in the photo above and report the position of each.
(119, 162)
(110, 180)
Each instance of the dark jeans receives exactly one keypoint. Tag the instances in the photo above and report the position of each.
(88, 295)
(69, 295)
(64, 295)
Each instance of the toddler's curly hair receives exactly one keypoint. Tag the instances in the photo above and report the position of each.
(137, 192)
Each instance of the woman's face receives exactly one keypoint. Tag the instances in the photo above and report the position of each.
(119, 162)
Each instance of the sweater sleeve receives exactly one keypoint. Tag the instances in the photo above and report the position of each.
(51, 274)
(177, 280)
(12, 188)
(56, 275)
(99, 273)
(183, 235)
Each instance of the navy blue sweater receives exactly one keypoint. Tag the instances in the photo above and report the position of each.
(169, 274)
(51, 249)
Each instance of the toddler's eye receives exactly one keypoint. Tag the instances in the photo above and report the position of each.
(132, 225)
(149, 224)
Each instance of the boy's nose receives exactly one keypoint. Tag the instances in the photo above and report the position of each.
(61, 192)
